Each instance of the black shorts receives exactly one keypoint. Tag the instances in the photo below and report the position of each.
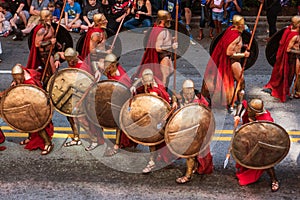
(186, 4)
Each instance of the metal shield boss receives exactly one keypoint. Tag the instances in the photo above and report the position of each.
(190, 130)
(140, 118)
(260, 145)
(26, 108)
(246, 36)
(66, 88)
(104, 102)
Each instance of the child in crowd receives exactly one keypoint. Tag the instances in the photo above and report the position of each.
(55, 11)
(5, 16)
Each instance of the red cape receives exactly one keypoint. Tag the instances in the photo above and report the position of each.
(282, 74)
(123, 78)
(247, 176)
(218, 82)
(82, 65)
(33, 60)
(86, 45)
(160, 90)
(150, 58)
(36, 142)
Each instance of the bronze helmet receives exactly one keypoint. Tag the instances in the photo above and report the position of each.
(239, 22)
(100, 19)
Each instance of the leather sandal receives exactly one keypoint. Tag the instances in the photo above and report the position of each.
(183, 179)
(26, 141)
(151, 165)
(92, 146)
(47, 149)
(275, 186)
(72, 143)
(110, 151)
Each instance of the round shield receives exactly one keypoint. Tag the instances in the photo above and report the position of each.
(26, 108)
(273, 45)
(117, 50)
(141, 119)
(66, 87)
(260, 145)
(189, 130)
(104, 102)
(63, 37)
(183, 38)
(246, 36)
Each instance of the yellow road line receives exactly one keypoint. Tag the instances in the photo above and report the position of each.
(110, 136)
(113, 130)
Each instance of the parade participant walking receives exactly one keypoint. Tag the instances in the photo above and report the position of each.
(224, 67)
(95, 133)
(203, 163)
(114, 71)
(157, 56)
(287, 63)
(41, 139)
(150, 86)
(94, 42)
(254, 111)
(42, 40)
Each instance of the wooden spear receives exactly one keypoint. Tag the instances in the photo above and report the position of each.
(246, 58)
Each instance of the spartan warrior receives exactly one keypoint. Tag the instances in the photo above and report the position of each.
(95, 133)
(286, 67)
(224, 67)
(249, 112)
(94, 43)
(41, 139)
(203, 163)
(42, 41)
(157, 56)
(150, 86)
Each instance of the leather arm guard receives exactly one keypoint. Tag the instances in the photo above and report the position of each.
(45, 43)
(237, 56)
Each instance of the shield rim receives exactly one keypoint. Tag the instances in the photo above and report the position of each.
(268, 46)
(36, 87)
(50, 84)
(170, 120)
(268, 166)
(125, 106)
(85, 104)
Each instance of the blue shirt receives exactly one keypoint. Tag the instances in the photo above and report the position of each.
(72, 11)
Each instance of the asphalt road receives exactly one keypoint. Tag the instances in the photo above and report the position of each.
(73, 173)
